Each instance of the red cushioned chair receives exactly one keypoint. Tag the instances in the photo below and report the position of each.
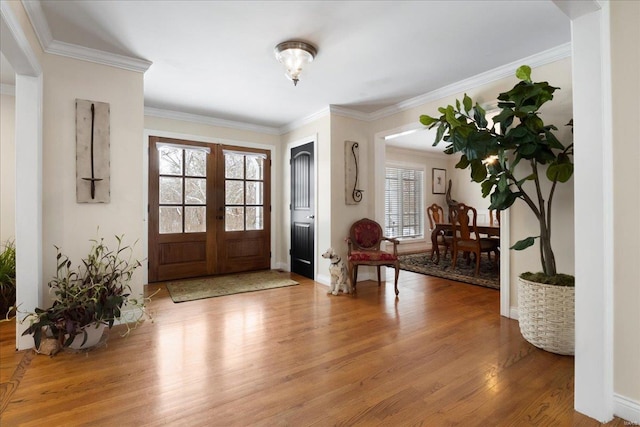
(364, 241)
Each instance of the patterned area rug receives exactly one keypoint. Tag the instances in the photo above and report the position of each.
(489, 276)
(209, 287)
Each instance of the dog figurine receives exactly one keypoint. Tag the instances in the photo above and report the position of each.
(339, 274)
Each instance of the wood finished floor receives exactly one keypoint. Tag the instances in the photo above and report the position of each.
(439, 355)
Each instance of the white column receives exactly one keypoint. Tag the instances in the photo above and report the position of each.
(28, 135)
(28, 200)
(593, 182)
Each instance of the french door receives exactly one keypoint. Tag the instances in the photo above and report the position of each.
(209, 209)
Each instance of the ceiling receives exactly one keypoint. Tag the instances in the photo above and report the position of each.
(216, 59)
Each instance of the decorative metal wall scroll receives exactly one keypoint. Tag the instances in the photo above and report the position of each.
(353, 194)
(92, 152)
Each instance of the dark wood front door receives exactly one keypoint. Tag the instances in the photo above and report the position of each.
(244, 212)
(209, 209)
(302, 210)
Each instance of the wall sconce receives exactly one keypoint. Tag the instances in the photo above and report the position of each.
(294, 55)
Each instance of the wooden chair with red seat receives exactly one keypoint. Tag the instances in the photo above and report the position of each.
(435, 213)
(364, 241)
(466, 237)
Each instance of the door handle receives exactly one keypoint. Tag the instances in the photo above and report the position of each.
(311, 216)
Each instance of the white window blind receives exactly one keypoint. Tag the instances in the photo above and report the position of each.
(403, 202)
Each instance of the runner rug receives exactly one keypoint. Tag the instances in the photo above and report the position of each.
(489, 275)
(209, 287)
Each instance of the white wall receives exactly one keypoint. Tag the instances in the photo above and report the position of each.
(70, 225)
(625, 52)
(7, 168)
(320, 131)
(348, 129)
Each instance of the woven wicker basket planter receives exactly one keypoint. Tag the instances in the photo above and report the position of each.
(547, 316)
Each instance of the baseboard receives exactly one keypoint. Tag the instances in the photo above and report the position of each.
(324, 279)
(282, 266)
(513, 313)
(627, 409)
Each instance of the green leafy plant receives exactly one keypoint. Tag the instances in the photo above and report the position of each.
(516, 137)
(8, 279)
(96, 291)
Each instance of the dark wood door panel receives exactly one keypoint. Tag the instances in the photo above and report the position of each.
(246, 254)
(244, 249)
(302, 210)
(302, 248)
(180, 253)
(172, 253)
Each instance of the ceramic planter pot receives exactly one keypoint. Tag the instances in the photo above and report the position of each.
(94, 334)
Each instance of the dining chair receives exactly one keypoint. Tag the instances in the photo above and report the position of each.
(494, 219)
(467, 239)
(435, 213)
(364, 240)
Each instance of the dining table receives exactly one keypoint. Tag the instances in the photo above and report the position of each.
(443, 227)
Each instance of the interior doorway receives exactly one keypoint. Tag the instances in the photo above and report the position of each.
(380, 162)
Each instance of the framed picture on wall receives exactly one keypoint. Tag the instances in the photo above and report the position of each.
(438, 180)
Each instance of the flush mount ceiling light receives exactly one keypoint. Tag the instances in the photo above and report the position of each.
(294, 55)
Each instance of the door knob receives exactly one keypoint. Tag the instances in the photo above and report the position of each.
(311, 216)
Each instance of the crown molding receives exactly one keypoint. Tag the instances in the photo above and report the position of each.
(38, 22)
(98, 56)
(56, 47)
(349, 113)
(23, 59)
(548, 56)
(212, 121)
(6, 89)
(303, 121)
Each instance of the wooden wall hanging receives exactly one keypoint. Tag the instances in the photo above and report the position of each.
(352, 194)
(92, 152)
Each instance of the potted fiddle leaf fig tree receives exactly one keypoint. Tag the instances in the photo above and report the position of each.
(510, 156)
(87, 299)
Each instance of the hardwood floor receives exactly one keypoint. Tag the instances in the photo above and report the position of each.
(438, 355)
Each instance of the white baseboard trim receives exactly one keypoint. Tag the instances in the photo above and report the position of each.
(627, 409)
(324, 279)
(282, 266)
(513, 313)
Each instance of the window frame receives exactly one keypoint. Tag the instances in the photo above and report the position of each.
(420, 209)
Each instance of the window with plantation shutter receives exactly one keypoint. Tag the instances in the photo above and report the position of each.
(403, 202)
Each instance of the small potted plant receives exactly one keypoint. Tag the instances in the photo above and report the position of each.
(509, 158)
(88, 298)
